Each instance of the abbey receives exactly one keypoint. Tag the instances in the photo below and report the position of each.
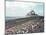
(31, 13)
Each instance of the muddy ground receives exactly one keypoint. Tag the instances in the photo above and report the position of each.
(27, 26)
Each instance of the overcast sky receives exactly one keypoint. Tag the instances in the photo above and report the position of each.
(14, 9)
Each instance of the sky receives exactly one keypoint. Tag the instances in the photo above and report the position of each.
(14, 9)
